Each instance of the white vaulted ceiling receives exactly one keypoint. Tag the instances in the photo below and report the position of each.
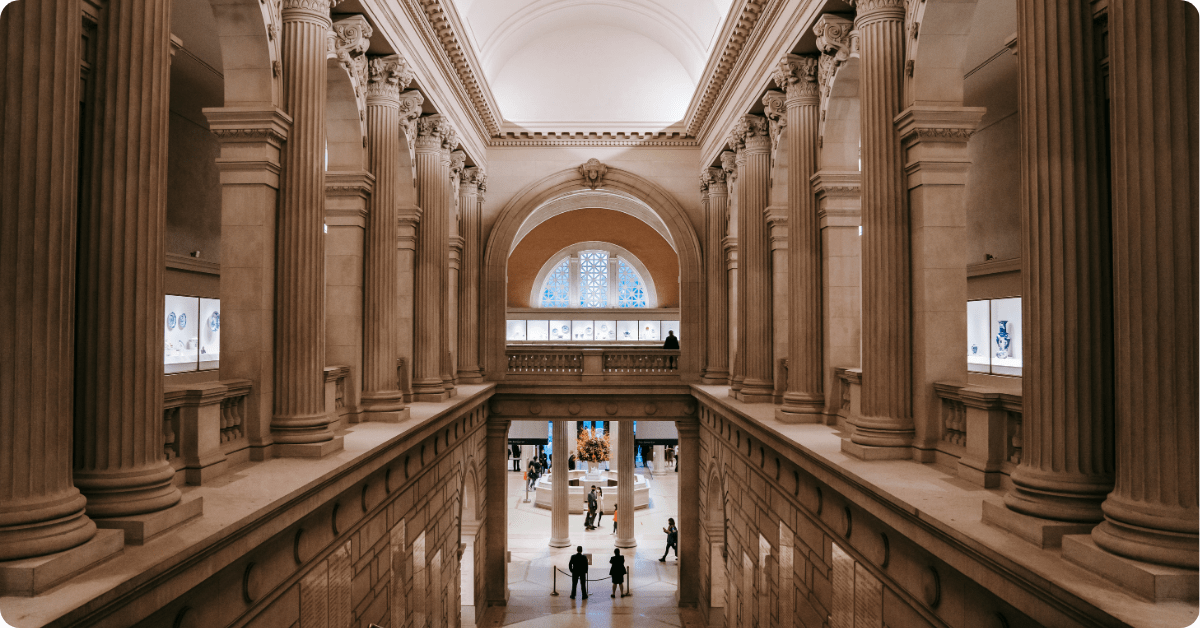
(586, 64)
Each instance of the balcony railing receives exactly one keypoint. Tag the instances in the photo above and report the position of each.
(202, 425)
(592, 363)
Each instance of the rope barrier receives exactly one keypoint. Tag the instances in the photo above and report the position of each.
(555, 571)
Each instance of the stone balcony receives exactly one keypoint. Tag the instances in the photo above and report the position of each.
(592, 364)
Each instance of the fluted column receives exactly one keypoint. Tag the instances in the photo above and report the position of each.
(450, 271)
(41, 511)
(625, 480)
(715, 193)
(435, 138)
(805, 396)
(299, 420)
(1151, 514)
(471, 196)
(1066, 459)
(730, 161)
(886, 419)
(119, 460)
(751, 139)
(381, 397)
(560, 535)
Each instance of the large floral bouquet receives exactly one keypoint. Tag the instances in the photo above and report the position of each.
(592, 448)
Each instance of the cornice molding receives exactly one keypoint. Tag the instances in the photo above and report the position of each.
(530, 138)
(191, 264)
(444, 28)
(740, 24)
(238, 125)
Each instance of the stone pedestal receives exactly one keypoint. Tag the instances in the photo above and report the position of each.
(41, 511)
(435, 139)
(804, 401)
(471, 196)
(382, 399)
(298, 418)
(1151, 515)
(625, 461)
(751, 140)
(559, 534)
(715, 192)
(886, 420)
(120, 464)
(1067, 460)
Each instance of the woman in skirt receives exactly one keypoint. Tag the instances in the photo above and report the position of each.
(617, 571)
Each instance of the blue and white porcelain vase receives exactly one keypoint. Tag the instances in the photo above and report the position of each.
(1003, 342)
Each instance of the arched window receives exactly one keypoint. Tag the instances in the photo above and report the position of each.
(594, 275)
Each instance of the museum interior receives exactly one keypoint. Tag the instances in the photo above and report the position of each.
(873, 313)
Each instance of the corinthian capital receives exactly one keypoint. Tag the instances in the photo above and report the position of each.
(712, 181)
(458, 161)
(833, 35)
(878, 8)
(729, 165)
(307, 10)
(797, 75)
(349, 37)
(475, 176)
(387, 76)
(435, 132)
(776, 112)
(751, 132)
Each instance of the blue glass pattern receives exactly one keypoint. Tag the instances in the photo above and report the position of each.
(630, 290)
(593, 279)
(556, 289)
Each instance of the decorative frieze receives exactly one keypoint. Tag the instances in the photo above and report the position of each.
(737, 32)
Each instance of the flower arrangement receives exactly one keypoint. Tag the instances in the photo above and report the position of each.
(592, 448)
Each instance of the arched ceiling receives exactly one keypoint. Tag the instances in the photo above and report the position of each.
(591, 62)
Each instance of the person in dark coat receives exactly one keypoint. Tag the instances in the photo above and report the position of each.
(672, 540)
(571, 462)
(617, 571)
(671, 342)
(579, 569)
(592, 505)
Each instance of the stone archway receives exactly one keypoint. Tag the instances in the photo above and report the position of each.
(539, 193)
(942, 32)
(249, 52)
(471, 594)
(715, 528)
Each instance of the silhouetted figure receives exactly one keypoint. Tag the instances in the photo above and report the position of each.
(671, 341)
(672, 540)
(617, 571)
(579, 569)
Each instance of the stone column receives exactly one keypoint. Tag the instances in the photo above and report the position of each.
(689, 512)
(120, 464)
(731, 162)
(560, 536)
(435, 139)
(41, 511)
(495, 576)
(887, 327)
(1067, 459)
(715, 192)
(381, 397)
(752, 141)
(299, 421)
(805, 398)
(1151, 514)
(838, 210)
(625, 480)
(471, 197)
(451, 273)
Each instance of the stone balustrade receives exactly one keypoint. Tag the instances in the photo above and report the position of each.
(656, 361)
(337, 380)
(203, 424)
(849, 382)
(982, 427)
(592, 363)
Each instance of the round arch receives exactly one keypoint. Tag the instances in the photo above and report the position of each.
(345, 129)
(248, 52)
(613, 251)
(567, 181)
(840, 129)
(944, 31)
(585, 199)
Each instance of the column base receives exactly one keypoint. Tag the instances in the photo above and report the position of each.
(473, 376)
(140, 528)
(385, 416)
(750, 395)
(875, 452)
(309, 450)
(1043, 533)
(624, 543)
(799, 415)
(1156, 583)
(714, 377)
(431, 397)
(28, 577)
(563, 542)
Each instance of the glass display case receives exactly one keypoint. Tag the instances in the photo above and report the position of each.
(582, 330)
(627, 330)
(516, 330)
(538, 330)
(181, 340)
(648, 330)
(994, 336)
(606, 330)
(210, 333)
(560, 330)
(670, 326)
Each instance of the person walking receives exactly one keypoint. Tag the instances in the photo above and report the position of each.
(672, 540)
(614, 518)
(591, 506)
(668, 457)
(578, 566)
(599, 506)
(617, 571)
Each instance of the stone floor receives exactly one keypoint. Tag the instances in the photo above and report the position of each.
(651, 602)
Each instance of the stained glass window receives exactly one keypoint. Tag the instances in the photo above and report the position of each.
(556, 290)
(593, 279)
(631, 292)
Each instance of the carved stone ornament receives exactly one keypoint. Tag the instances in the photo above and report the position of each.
(729, 165)
(458, 161)
(435, 132)
(475, 176)
(410, 110)
(387, 76)
(309, 5)
(349, 37)
(749, 132)
(797, 75)
(712, 180)
(776, 112)
(833, 35)
(593, 173)
(868, 8)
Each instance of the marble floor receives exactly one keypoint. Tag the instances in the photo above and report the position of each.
(652, 585)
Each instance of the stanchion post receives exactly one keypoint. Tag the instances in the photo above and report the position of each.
(554, 578)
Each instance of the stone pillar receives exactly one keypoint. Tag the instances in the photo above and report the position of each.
(451, 274)
(471, 196)
(1151, 514)
(560, 536)
(689, 512)
(625, 480)
(715, 193)
(838, 210)
(1067, 458)
(120, 463)
(805, 399)
(382, 399)
(887, 327)
(41, 511)
(752, 141)
(435, 139)
(299, 421)
(731, 162)
(495, 576)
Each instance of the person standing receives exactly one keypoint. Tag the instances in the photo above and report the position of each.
(614, 532)
(591, 506)
(578, 566)
(617, 571)
(671, 342)
(599, 506)
(672, 540)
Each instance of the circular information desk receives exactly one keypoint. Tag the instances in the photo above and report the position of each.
(581, 482)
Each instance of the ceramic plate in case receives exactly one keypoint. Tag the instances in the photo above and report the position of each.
(214, 321)
(171, 320)
(182, 321)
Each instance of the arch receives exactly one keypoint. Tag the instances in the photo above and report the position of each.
(604, 199)
(345, 126)
(538, 193)
(841, 130)
(249, 53)
(613, 250)
(938, 51)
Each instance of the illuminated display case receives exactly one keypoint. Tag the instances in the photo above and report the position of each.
(516, 330)
(210, 333)
(191, 334)
(994, 336)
